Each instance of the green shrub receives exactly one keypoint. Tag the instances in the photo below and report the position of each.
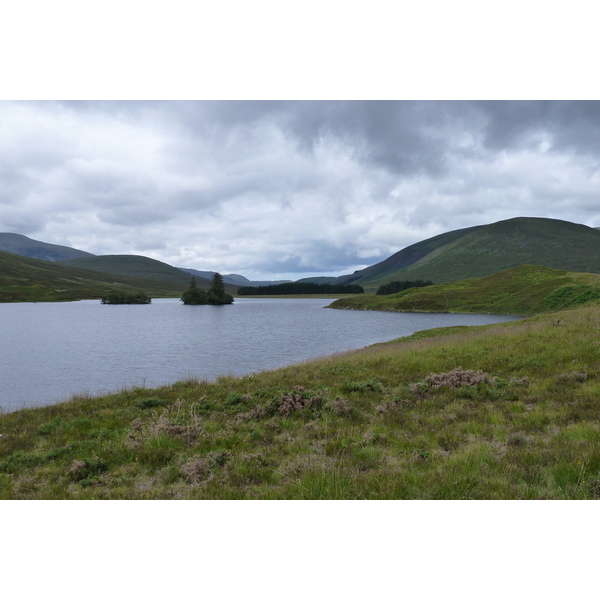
(153, 402)
(51, 426)
(368, 385)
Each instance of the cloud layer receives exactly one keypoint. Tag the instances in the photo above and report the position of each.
(288, 189)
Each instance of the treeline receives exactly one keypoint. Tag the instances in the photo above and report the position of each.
(117, 297)
(281, 289)
(393, 287)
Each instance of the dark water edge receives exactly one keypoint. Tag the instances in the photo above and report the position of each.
(52, 351)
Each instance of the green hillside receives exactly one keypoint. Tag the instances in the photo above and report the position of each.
(129, 265)
(483, 250)
(25, 279)
(408, 256)
(522, 290)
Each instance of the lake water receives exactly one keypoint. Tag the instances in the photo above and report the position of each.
(51, 351)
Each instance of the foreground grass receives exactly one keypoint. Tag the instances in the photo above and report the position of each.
(505, 411)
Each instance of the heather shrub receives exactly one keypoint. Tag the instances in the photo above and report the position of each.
(258, 412)
(299, 400)
(573, 377)
(458, 378)
(339, 406)
(84, 469)
(195, 469)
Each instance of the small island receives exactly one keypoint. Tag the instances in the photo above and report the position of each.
(117, 297)
(215, 295)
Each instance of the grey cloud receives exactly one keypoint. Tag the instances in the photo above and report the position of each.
(573, 126)
(276, 187)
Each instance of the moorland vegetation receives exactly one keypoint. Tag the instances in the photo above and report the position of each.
(522, 290)
(393, 287)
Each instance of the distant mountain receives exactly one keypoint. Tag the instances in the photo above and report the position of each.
(237, 280)
(486, 249)
(130, 265)
(24, 246)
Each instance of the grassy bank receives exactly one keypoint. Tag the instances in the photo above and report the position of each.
(494, 412)
(523, 290)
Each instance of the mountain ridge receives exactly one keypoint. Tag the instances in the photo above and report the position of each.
(16, 243)
(232, 278)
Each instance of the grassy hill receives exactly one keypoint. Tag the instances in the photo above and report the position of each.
(25, 279)
(483, 250)
(131, 266)
(24, 246)
(142, 267)
(523, 290)
(506, 411)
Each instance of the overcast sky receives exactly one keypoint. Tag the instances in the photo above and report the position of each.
(287, 189)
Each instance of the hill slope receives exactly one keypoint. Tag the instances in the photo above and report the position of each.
(24, 279)
(24, 246)
(129, 265)
(522, 290)
(483, 250)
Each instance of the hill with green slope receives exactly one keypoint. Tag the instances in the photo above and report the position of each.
(483, 250)
(522, 290)
(408, 256)
(24, 246)
(131, 266)
(25, 279)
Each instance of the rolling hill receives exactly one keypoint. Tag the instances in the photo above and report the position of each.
(129, 265)
(487, 249)
(24, 246)
(24, 279)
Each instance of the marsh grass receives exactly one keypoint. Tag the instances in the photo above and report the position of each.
(508, 411)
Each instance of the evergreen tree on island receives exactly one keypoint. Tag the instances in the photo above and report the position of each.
(215, 295)
(120, 297)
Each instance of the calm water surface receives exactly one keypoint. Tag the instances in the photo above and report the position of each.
(50, 351)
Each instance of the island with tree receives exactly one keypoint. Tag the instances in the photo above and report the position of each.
(120, 297)
(216, 293)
